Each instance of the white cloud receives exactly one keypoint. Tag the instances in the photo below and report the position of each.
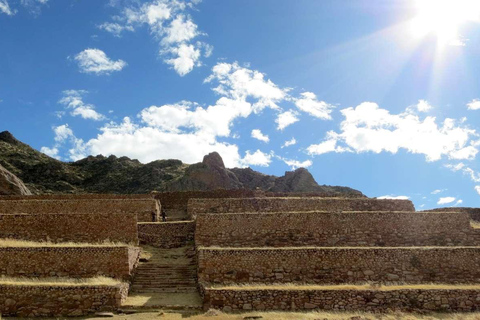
(171, 26)
(51, 152)
(258, 158)
(329, 145)
(459, 201)
(455, 167)
(239, 83)
(477, 188)
(62, 133)
(289, 143)
(73, 99)
(214, 121)
(423, 106)
(115, 28)
(96, 61)
(467, 153)
(186, 56)
(5, 8)
(474, 104)
(368, 128)
(123, 140)
(437, 191)
(294, 164)
(474, 176)
(33, 6)
(257, 134)
(180, 30)
(285, 119)
(394, 197)
(309, 104)
(446, 200)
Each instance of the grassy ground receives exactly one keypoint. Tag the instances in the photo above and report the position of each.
(9, 243)
(213, 315)
(62, 282)
(366, 286)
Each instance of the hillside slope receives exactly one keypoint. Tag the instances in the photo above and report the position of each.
(99, 174)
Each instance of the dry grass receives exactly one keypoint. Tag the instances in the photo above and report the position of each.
(59, 282)
(9, 243)
(217, 315)
(475, 224)
(168, 222)
(335, 248)
(362, 287)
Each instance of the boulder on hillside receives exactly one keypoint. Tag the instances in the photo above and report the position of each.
(11, 185)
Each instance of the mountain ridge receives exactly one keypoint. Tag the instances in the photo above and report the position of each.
(99, 174)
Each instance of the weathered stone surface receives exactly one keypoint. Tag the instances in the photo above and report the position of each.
(146, 209)
(74, 262)
(294, 204)
(166, 234)
(75, 227)
(406, 300)
(10, 184)
(336, 229)
(332, 265)
(56, 301)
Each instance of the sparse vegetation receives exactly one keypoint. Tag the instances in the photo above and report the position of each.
(13, 243)
(97, 281)
(214, 315)
(366, 286)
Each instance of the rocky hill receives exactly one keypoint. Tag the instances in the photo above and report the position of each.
(99, 174)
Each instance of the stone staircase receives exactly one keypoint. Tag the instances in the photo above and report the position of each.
(165, 278)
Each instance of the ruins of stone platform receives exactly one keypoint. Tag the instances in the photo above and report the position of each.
(235, 250)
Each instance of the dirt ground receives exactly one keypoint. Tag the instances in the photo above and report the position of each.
(216, 315)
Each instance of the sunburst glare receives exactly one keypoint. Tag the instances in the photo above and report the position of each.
(443, 18)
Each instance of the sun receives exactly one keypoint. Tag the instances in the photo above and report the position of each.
(444, 18)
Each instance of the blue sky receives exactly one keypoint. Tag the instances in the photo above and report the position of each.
(382, 96)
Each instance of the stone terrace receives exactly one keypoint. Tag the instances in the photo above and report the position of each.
(336, 229)
(317, 253)
(59, 275)
(146, 209)
(291, 204)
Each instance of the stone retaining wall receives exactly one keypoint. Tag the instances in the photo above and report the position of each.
(59, 301)
(73, 262)
(175, 203)
(146, 209)
(335, 229)
(75, 227)
(166, 234)
(445, 300)
(340, 265)
(473, 212)
(91, 196)
(290, 204)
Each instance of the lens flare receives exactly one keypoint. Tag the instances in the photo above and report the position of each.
(444, 18)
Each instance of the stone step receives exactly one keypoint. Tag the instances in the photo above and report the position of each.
(164, 301)
(164, 290)
(163, 284)
(166, 283)
(157, 279)
(166, 270)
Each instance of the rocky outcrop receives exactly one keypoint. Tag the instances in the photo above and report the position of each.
(299, 180)
(11, 185)
(99, 174)
(209, 174)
